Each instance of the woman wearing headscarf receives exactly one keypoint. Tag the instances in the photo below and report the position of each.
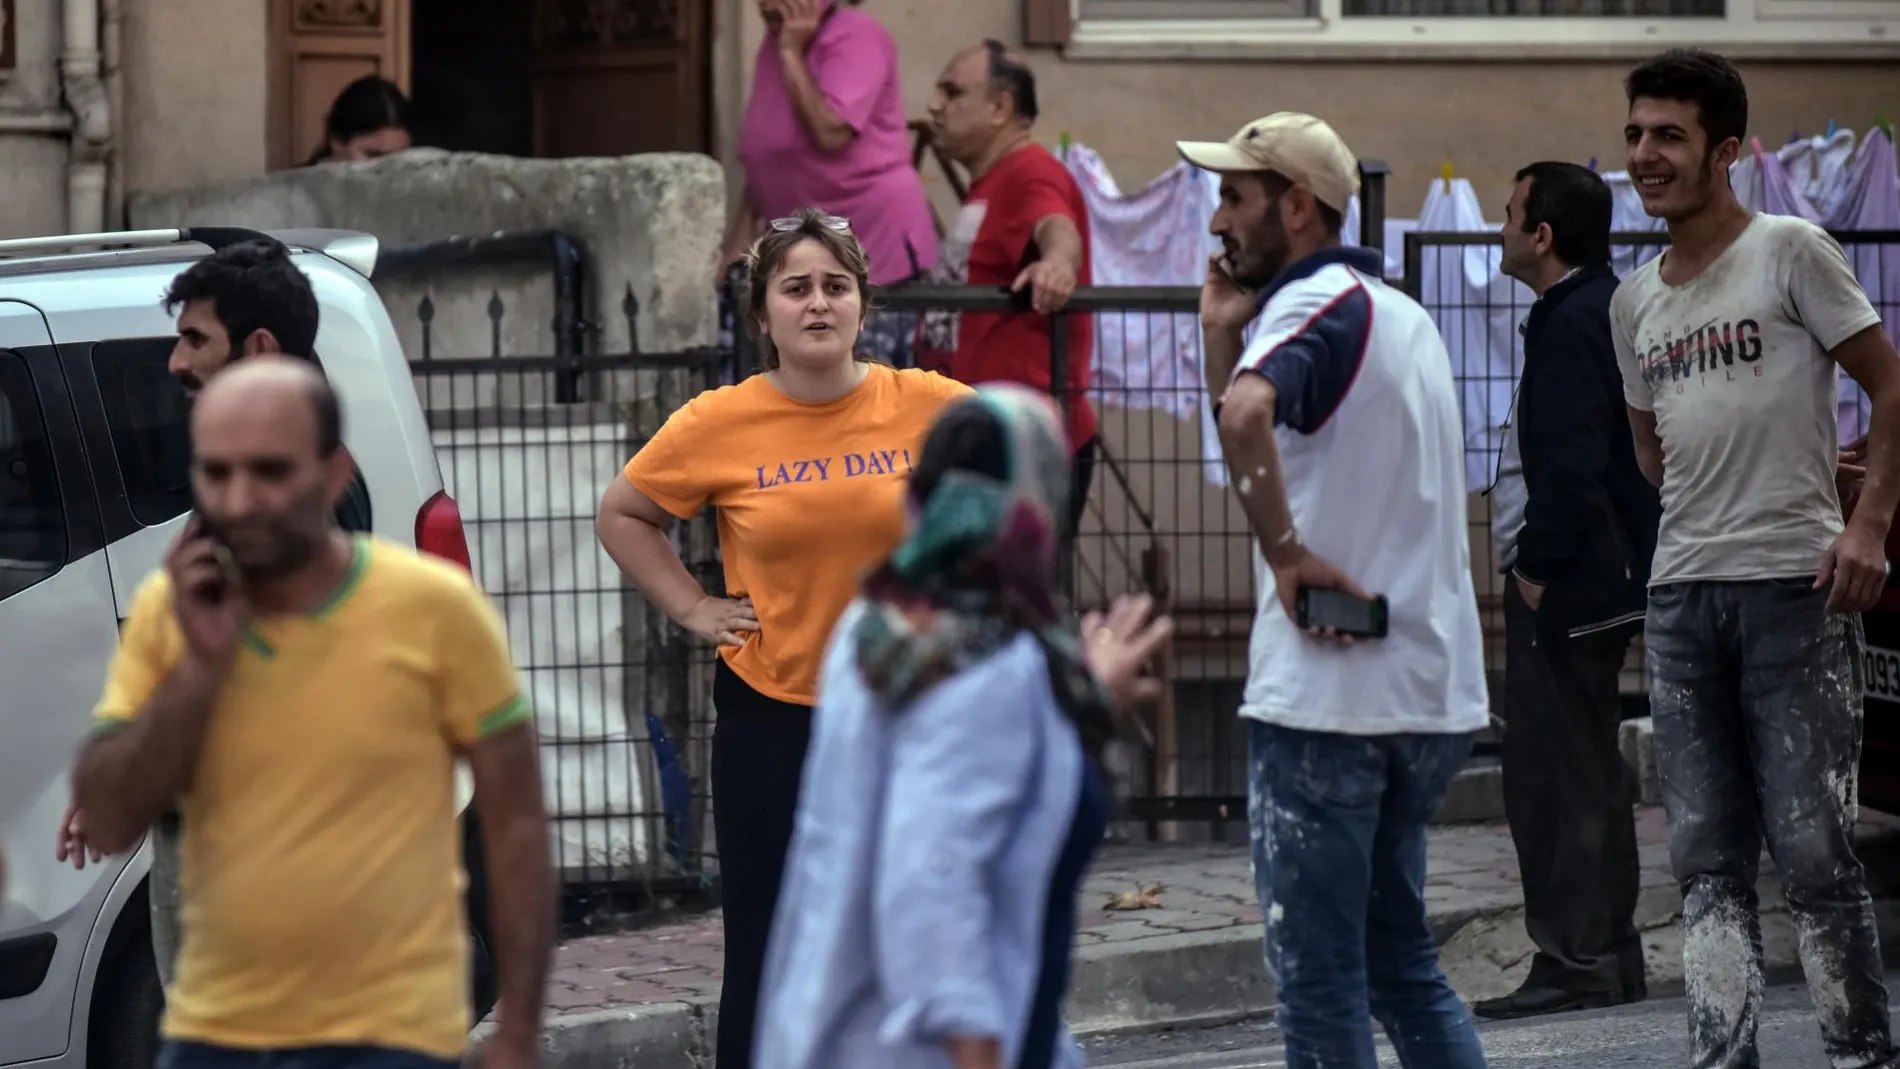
(953, 790)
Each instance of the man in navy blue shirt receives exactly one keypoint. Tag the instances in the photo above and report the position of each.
(1574, 523)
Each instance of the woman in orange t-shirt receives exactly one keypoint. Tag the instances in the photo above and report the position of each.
(807, 464)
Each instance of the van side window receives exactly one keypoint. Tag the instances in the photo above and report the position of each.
(150, 422)
(32, 516)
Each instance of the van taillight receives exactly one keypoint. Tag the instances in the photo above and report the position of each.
(439, 530)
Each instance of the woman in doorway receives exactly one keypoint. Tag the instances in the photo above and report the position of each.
(825, 126)
(806, 463)
(955, 793)
(368, 119)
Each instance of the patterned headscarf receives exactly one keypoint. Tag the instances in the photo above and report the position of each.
(979, 568)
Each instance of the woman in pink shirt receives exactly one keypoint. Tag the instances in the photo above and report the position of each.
(826, 128)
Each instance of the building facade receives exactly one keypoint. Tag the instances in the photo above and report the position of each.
(102, 98)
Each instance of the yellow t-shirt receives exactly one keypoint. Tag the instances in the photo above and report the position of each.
(810, 496)
(321, 871)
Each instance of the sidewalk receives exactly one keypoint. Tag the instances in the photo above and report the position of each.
(648, 998)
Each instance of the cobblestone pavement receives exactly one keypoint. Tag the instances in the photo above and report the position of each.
(1204, 889)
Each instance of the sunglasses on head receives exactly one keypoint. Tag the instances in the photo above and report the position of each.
(829, 222)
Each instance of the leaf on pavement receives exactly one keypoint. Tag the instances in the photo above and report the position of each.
(1148, 897)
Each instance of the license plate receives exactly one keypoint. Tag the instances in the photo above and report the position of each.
(1882, 670)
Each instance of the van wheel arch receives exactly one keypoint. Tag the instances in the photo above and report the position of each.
(127, 999)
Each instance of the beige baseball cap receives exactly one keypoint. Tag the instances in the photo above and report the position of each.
(1299, 147)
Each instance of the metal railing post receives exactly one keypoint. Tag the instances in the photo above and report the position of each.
(1059, 390)
(1372, 178)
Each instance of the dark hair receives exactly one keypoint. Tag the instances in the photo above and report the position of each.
(328, 411)
(1575, 203)
(966, 437)
(1277, 184)
(365, 106)
(767, 257)
(1700, 77)
(253, 286)
(1010, 73)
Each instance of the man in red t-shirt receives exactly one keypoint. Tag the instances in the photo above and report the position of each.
(1025, 226)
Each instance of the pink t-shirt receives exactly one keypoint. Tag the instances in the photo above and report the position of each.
(870, 181)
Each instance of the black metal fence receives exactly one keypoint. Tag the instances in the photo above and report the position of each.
(528, 436)
(527, 440)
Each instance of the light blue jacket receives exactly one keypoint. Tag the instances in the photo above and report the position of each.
(918, 879)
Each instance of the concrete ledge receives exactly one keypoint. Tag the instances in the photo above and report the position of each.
(1476, 796)
(637, 1037)
(1168, 980)
(1638, 742)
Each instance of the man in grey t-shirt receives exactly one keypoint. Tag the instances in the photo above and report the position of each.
(1730, 346)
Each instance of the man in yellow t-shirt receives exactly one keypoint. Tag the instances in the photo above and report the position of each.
(306, 693)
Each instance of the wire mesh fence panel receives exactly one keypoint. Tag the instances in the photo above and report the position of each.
(528, 432)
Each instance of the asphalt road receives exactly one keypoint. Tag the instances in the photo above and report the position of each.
(1649, 1035)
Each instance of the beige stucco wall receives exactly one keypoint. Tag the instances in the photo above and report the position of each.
(32, 165)
(195, 81)
(1488, 119)
(193, 75)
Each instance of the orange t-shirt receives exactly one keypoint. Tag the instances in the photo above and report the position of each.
(810, 496)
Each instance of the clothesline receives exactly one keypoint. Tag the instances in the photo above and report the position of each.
(1158, 236)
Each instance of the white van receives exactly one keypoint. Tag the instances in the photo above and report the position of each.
(93, 488)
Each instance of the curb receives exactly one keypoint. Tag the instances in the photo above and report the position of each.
(1198, 980)
(677, 1035)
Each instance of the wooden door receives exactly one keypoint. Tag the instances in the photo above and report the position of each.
(317, 48)
(615, 77)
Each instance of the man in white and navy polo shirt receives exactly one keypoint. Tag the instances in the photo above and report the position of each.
(1339, 419)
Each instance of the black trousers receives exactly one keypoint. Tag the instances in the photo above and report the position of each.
(758, 755)
(1570, 800)
(1081, 476)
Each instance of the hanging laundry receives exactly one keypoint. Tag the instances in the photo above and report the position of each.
(1156, 237)
(1869, 200)
(1762, 183)
(1832, 153)
(1477, 309)
(1628, 217)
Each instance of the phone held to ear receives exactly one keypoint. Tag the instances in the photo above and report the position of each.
(214, 590)
(1342, 613)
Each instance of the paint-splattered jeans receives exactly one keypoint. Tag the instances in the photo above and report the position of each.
(1755, 692)
(1339, 824)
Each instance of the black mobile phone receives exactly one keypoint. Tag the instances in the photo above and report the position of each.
(211, 591)
(1342, 612)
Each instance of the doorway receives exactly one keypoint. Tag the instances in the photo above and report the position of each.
(554, 78)
(471, 75)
